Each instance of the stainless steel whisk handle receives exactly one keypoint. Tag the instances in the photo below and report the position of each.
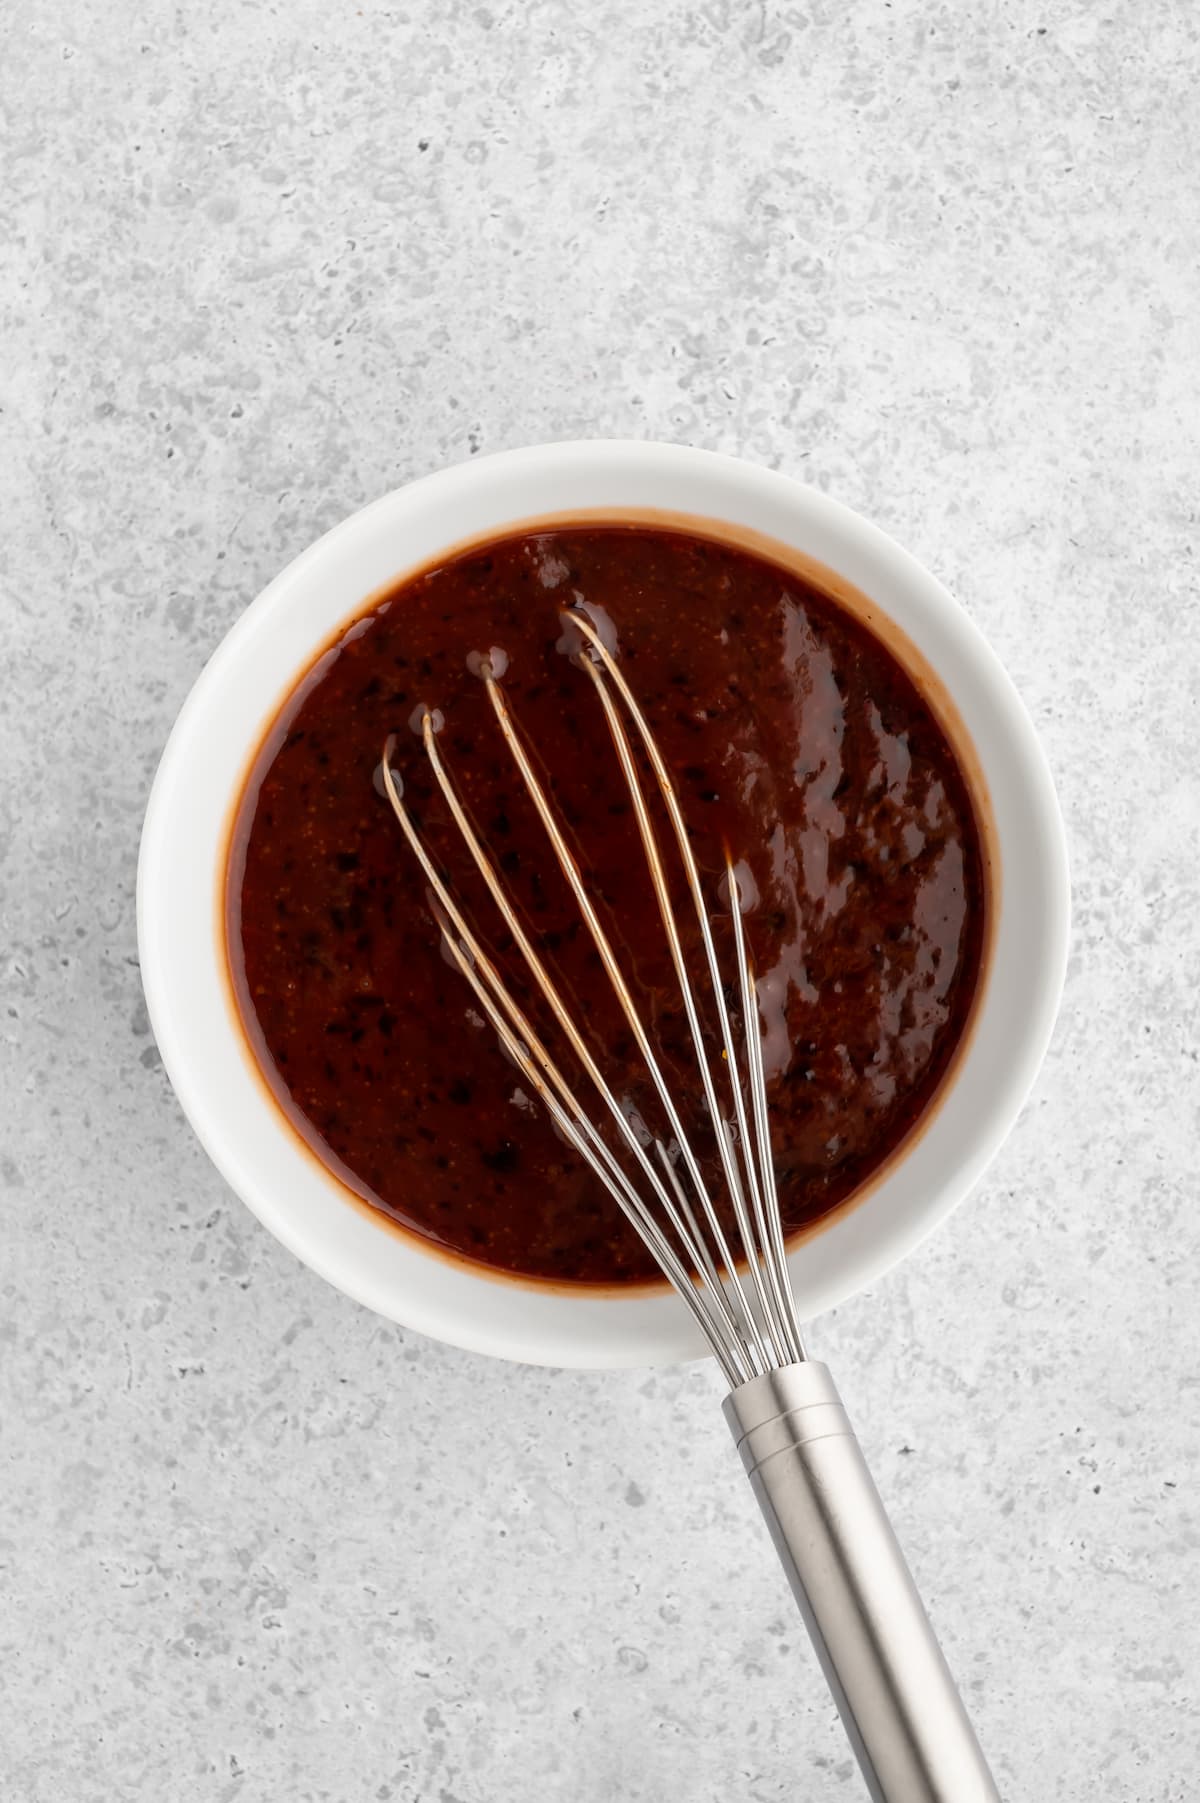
(893, 1689)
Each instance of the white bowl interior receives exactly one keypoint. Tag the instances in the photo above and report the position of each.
(200, 776)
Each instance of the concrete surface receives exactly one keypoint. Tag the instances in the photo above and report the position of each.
(261, 264)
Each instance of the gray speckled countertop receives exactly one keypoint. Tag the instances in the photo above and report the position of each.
(263, 263)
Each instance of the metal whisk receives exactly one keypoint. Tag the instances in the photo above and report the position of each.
(896, 1697)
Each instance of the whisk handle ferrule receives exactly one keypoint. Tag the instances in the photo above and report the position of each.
(893, 1689)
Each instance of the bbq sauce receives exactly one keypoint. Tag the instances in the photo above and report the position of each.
(795, 738)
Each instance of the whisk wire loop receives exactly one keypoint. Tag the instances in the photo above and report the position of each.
(750, 1325)
(772, 1308)
(521, 1041)
(570, 869)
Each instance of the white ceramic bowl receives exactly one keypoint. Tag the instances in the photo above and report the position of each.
(181, 871)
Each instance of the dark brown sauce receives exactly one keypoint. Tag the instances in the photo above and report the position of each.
(794, 736)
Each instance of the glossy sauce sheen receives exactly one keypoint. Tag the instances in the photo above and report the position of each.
(794, 736)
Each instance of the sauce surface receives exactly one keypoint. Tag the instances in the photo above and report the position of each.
(794, 737)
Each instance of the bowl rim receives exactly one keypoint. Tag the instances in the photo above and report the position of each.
(475, 1309)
